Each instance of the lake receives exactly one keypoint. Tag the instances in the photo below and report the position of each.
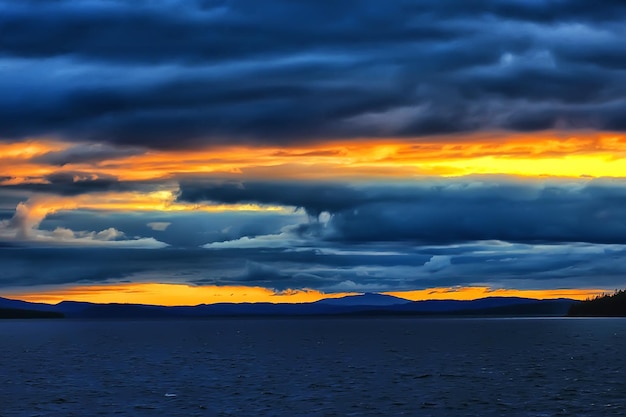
(314, 367)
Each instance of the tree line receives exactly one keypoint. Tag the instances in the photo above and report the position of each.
(606, 305)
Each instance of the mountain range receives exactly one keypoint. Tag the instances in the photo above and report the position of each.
(355, 305)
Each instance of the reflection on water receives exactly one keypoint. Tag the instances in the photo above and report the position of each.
(314, 367)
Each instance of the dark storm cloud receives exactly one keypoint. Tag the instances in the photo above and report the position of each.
(518, 266)
(11, 198)
(72, 183)
(212, 30)
(173, 73)
(441, 212)
(195, 31)
(260, 274)
(85, 153)
(46, 266)
(270, 268)
(313, 197)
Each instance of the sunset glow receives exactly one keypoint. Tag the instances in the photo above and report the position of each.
(585, 154)
(428, 150)
(184, 295)
(172, 294)
(296, 208)
(473, 293)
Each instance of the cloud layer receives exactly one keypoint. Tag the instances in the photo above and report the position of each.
(483, 231)
(444, 211)
(298, 144)
(166, 74)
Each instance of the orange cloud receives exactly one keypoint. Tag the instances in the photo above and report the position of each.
(594, 154)
(16, 160)
(591, 154)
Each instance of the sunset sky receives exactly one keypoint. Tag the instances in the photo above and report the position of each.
(181, 152)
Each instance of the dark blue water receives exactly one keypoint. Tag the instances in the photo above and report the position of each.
(314, 367)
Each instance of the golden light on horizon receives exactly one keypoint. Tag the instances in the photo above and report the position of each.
(473, 293)
(181, 294)
(169, 294)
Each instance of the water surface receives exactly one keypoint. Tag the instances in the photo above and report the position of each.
(314, 367)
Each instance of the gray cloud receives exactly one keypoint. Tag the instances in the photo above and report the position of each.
(495, 264)
(232, 71)
(445, 211)
(73, 183)
(184, 230)
(85, 153)
(313, 197)
(468, 231)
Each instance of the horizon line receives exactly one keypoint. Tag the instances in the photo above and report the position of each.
(179, 295)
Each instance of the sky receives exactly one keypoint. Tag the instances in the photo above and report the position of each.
(180, 152)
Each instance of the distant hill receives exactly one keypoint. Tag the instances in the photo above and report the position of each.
(487, 305)
(538, 308)
(8, 303)
(357, 305)
(610, 305)
(367, 299)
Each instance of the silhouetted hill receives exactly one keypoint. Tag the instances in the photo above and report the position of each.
(556, 307)
(73, 308)
(24, 305)
(443, 306)
(610, 305)
(99, 311)
(16, 313)
(366, 304)
(367, 299)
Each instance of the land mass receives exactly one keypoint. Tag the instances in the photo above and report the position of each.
(608, 305)
(17, 313)
(357, 305)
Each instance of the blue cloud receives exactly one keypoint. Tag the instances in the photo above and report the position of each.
(290, 72)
